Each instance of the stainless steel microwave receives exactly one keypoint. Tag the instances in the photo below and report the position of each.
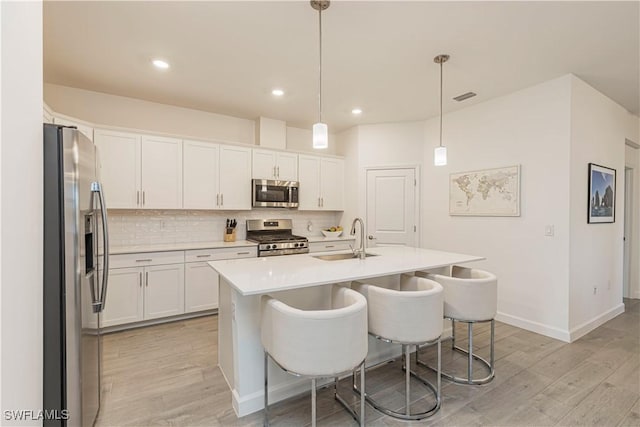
(267, 193)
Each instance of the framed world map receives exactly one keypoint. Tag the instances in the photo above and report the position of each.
(488, 192)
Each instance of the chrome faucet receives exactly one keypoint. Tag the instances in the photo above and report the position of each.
(361, 253)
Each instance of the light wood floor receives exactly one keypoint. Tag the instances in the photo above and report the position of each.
(167, 376)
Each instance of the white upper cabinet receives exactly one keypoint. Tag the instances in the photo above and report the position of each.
(321, 183)
(140, 171)
(216, 176)
(119, 168)
(268, 164)
(287, 166)
(200, 175)
(161, 173)
(309, 177)
(332, 184)
(235, 177)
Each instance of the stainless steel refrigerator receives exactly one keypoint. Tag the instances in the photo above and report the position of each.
(76, 265)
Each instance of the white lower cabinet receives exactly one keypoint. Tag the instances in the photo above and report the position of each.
(155, 285)
(124, 296)
(201, 281)
(201, 290)
(163, 291)
(143, 287)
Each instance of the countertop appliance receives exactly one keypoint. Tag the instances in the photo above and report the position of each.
(75, 235)
(274, 237)
(268, 193)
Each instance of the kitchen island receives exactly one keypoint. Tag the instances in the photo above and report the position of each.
(299, 280)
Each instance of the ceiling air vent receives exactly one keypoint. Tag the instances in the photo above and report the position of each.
(464, 96)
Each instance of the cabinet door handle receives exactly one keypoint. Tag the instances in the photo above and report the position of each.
(217, 199)
(140, 279)
(144, 260)
(222, 199)
(243, 253)
(274, 172)
(329, 246)
(146, 278)
(318, 201)
(322, 202)
(143, 197)
(278, 174)
(137, 197)
(203, 256)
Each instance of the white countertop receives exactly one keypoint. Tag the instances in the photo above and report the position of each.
(165, 247)
(255, 276)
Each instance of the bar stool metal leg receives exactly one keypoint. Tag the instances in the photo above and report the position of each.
(266, 389)
(313, 402)
(470, 352)
(490, 366)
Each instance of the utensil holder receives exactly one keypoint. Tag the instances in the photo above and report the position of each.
(230, 235)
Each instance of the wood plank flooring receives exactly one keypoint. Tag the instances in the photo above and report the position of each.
(166, 375)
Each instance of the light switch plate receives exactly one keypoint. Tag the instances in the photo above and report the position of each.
(549, 230)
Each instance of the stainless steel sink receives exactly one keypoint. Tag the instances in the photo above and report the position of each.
(337, 257)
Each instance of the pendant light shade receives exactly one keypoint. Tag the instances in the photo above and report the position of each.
(440, 153)
(320, 135)
(440, 156)
(320, 129)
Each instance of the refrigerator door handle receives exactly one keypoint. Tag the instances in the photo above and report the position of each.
(96, 188)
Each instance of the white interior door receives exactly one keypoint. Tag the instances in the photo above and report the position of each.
(391, 207)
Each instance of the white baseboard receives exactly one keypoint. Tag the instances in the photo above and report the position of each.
(635, 295)
(539, 328)
(599, 320)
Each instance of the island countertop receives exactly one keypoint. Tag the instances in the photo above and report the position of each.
(255, 276)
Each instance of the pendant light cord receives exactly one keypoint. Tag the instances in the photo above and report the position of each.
(441, 103)
(320, 74)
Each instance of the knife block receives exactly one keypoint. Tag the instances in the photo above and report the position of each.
(229, 237)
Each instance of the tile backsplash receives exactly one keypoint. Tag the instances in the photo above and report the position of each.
(148, 227)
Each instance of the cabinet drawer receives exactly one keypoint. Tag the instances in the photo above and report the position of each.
(330, 246)
(144, 259)
(221, 253)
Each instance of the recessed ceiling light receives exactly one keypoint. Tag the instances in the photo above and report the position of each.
(277, 92)
(159, 63)
(356, 111)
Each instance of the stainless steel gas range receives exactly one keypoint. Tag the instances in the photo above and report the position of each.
(274, 237)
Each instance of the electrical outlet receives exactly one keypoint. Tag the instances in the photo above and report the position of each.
(549, 230)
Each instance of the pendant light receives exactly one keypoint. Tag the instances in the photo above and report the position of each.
(440, 153)
(320, 129)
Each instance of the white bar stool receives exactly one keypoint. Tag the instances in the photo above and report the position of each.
(470, 296)
(411, 316)
(316, 343)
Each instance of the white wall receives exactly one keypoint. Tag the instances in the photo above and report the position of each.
(366, 146)
(299, 139)
(599, 128)
(120, 111)
(21, 208)
(136, 114)
(530, 128)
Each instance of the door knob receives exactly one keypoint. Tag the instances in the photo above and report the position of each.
(371, 237)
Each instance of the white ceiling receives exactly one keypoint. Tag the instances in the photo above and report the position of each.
(227, 56)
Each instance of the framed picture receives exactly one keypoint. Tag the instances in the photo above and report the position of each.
(602, 194)
(487, 192)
